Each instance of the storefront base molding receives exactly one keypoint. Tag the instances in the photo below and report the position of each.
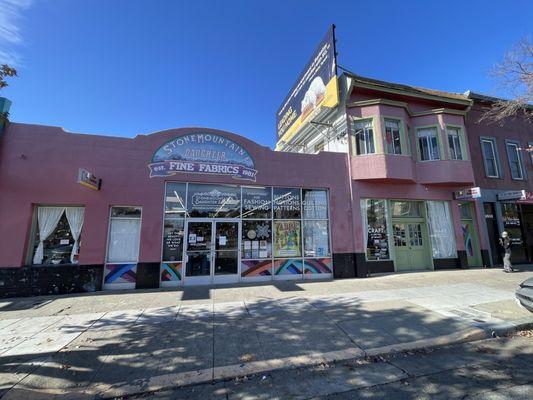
(365, 268)
(148, 274)
(50, 280)
(344, 265)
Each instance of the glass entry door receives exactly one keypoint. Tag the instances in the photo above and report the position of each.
(212, 251)
(226, 255)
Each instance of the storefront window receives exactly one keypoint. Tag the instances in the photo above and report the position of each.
(175, 199)
(256, 202)
(406, 209)
(58, 235)
(256, 239)
(124, 235)
(173, 240)
(511, 223)
(287, 239)
(465, 210)
(376, 239)
(315, 204)
(316, 239)
(213, 201)
(441, 230)
(287, 203)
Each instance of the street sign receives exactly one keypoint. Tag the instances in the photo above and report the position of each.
(87, 179)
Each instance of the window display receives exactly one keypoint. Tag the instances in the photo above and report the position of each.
(256, 202)
(315, 204)
(173, 240)
(256, 239)
(374, 214)
(316, 239)
(287, 203)
(511, 223)
(213, 201)
(287, 239)
(58, 235)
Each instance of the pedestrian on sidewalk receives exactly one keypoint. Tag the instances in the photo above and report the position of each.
(505, 243)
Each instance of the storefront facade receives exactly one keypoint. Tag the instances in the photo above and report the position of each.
(179, 207)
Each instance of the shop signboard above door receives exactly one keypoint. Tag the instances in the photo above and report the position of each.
(512, 195)
(203, 153)
(470, 193)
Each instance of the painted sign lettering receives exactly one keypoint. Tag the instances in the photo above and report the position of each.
(203, 153)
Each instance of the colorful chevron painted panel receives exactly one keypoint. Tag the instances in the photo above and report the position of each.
(120, 273)
(171, 272)
(256, 268)
(318, 266)
(288, 267)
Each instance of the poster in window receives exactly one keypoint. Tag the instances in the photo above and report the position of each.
(173, 240)
(256, 203)
(287, 203)
(287, 239)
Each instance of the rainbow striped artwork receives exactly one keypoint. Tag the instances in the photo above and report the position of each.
(171, 272)
(318, 266)
(120, 273)
(288, 267)
(468, 240)
(256, 268)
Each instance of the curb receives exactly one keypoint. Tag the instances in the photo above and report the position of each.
(217, 374)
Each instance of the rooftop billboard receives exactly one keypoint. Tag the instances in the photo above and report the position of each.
(316, 87)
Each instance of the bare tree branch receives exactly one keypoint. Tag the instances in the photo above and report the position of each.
(515, 76)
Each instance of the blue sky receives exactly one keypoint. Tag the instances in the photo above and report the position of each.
(127, 67)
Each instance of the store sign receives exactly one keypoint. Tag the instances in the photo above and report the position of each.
(512, 195)
(87, 179)
(470, 193)
(203, 153)
(527, 199)
(315, 88)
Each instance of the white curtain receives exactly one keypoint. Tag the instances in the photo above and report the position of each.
(441, 230)
(47, 218)
(124, 240)
(75, 217)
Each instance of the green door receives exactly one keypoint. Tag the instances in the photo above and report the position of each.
(470, 238)
(410, 241)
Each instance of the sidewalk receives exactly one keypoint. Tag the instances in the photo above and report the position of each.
(110, 344)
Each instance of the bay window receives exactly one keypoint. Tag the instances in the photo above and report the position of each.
(364, 137)
(455, 143)
(393, 139)
(428, 144)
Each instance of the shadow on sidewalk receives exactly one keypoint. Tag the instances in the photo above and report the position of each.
(121, 350)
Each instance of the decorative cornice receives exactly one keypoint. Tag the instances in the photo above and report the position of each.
(364, 103)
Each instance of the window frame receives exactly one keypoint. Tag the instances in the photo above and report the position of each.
(439, 144)
(462, 142)
(109, 232)
(404, 150)
(356, 121)
(34, 230)
(517, 148)
(492, 141)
